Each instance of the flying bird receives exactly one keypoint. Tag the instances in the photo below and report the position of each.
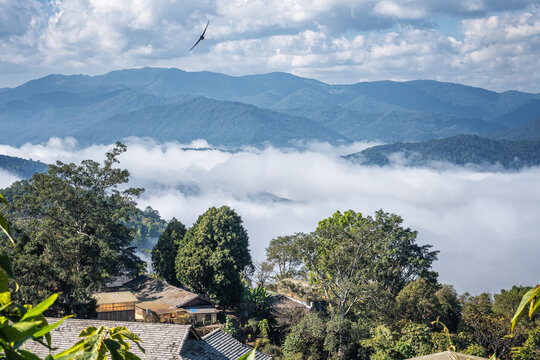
(202, 36)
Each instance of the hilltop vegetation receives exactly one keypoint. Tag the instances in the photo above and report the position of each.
(23, 168)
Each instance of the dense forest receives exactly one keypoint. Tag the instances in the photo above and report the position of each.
(459, 150)
(369, 288)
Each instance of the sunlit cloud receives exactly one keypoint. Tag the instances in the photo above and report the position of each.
(481, 221)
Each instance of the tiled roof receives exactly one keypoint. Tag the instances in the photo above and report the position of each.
(218, 345)
(114, 297)
(160, 341)
(148, 289)
(157, 306)
(448, 355)
(202, 310)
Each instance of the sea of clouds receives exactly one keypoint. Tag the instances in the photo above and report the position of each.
(484, 223)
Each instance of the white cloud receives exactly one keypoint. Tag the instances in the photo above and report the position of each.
(7, 178)
(311, 38)
(480, 221)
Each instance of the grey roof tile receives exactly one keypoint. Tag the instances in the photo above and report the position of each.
(160, 341)
(218, 345)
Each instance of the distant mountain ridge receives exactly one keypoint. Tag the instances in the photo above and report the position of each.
(458, 150)
(23, 168)
(274, 108)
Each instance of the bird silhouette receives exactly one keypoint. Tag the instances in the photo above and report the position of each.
(202, 36)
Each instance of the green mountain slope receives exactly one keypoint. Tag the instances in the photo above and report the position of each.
(219, 122)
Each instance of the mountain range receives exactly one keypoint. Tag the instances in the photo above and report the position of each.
(276, 108)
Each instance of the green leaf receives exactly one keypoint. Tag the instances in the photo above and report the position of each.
(47, 329)
(5, 293)
(535, 305)
(5, 264)
(88, 331)
(115, 349)
(131, 336)
(71, 352)
(250, 355)
(40, 308)
(28, 355)
(5, 228)
(19, 331)
(528, 297)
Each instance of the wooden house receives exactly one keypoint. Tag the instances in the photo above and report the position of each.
(162, 302)
(118, 306)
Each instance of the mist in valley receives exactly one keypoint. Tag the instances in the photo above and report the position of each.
(484, 222)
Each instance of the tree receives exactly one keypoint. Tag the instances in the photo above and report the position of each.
(148, 225)
(350, 255)
(353, 257)
(423, 302)
(283, 254)
(165, 251)
(417, 302)
(262, 273)
(449, 308)
(212, 255)
(71, 239)
(530, 349)
(306, 339)
(22, 323)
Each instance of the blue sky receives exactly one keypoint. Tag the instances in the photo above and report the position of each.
(488, 43)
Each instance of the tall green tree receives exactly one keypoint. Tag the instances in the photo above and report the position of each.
(71, 237)
(212, 255)
(353, 258)
(165, 251)
(282, 253)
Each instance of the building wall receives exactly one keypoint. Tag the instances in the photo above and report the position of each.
(205, 319)
(125, 315)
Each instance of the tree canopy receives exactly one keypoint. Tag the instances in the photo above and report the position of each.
(71, 239)
(350, 255)
(212, 255)
(165, 251)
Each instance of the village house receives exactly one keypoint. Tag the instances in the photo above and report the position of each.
(162, 302)
(118, 305)
(160, 341)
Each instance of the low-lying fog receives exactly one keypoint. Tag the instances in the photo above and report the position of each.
(486, 224)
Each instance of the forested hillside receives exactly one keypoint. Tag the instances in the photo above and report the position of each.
(23, 168)
(459, 150)
(274, 108)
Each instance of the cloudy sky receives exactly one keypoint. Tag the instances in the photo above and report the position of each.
(484, 223)
(489, 43)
